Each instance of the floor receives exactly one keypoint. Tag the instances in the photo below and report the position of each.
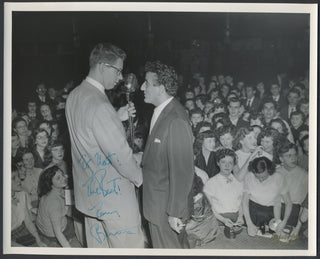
(243, 241)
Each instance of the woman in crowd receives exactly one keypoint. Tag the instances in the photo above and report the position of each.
(225, 135)
(270, 140)
(54, 217)
(46, 112)
(224, 191)
(40, 151)
(20, 126)
(263, 188)
(204, 148)
(296, 179)
(57, 154)
(31, 180)
(23, 230)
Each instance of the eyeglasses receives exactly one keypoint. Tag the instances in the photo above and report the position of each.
(119, 71)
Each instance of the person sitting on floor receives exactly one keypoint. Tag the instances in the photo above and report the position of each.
(23, 230)
(54, 216)
(263, 188)
(224, 191)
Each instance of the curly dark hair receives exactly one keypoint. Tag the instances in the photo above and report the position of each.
(261, 164)
(105, 52)
(222, 153)
(240, 135)
(197, 145)
(283, 125)
(167, 76)
(45, 180)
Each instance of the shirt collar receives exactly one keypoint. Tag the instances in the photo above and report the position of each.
(160, 107)
(96, 84)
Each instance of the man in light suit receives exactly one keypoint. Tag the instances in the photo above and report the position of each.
(105, 172)
(168, 167)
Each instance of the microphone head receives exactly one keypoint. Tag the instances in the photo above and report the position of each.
(130, 82)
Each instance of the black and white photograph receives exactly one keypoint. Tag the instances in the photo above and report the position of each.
(160, 128)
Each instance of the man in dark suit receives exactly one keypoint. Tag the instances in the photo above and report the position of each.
(293, 100)
(252, 103)
(277, 96)
(105, 172)
(234, 108)
(167, 163)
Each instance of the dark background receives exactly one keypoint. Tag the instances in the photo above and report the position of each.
(53, 47)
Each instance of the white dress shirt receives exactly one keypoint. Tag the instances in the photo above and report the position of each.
(157, 111)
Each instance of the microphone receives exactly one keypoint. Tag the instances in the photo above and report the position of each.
(130, 83)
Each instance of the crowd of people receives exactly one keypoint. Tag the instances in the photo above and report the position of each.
(247, 146)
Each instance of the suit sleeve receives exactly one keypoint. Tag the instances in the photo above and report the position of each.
(181, 168)
(111, 140)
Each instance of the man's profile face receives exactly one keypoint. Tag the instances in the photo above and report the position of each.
(151, 88)
(111, 74)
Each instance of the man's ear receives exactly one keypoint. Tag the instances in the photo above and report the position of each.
(162, 89)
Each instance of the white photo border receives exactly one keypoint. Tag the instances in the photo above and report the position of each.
(9, 8)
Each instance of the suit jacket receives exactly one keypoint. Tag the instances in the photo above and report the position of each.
(254, 107)
(284, 113)
(168, 166)
(104, 170)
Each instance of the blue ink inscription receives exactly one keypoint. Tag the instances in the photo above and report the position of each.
(95, 184)
(83, 162)
(100, 213)
(101, 236)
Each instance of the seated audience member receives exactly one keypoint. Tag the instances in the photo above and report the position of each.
(263, 188)
(257, 130)
(16, 149)
(196, 116)
(293, 100)
(189, 104)
(189, 94)
(225, 135)
(57, 157)
(296, 179)
(219, 120)
(303, 106)
(41, 95)
(212, 85)
(202, 126)
(31, 180)
(234, 108)
(224, 191)
(202, 227)
(280, 126)
(40, 150)
(224, 91)
(204, 147)
(214, 94)
(208, 106)
(303, 219)
(32, 110)
(245, 143)
(256, 120)
(297, 124)
(270, 140)
(46, 112)
(200, 101)
(261, 91)
(23, 230)
(19, 125)
(47, 126)
(303, 155)
(54, 216)
(276, 95)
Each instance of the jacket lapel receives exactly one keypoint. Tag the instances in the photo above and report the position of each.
(162, 117)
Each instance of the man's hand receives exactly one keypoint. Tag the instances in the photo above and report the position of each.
(125, 111)
(138, 158)
(176, 224)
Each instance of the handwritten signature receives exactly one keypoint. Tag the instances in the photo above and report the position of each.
(100, 160)
(100, 236)
(96, 185)
(100, 213)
